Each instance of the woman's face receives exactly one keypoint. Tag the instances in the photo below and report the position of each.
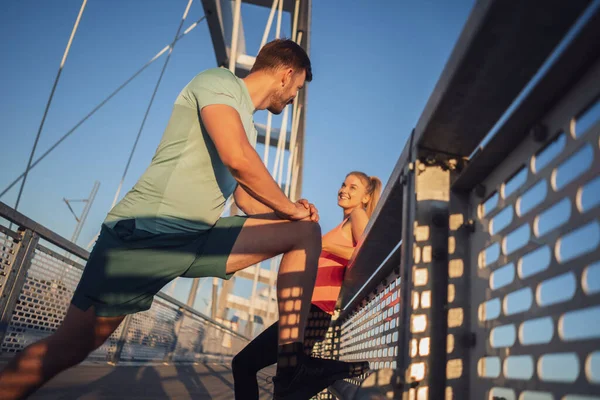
(353, 193)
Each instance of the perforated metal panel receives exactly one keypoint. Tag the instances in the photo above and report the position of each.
(190, 339)
(219, 341)
(151, 333)
(535, 262)
(43, 302)
(329, 346)
(372, 334)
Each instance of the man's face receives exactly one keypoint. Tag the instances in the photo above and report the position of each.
(291, 83)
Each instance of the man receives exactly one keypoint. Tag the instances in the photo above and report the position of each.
(169, 225)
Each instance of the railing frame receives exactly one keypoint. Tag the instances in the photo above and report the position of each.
(476, 116)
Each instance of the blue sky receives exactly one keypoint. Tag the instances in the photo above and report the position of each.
(374, 69)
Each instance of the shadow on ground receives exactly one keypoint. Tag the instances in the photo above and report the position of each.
(151, 381)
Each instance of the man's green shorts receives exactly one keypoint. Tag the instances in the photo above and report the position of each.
(128, 266)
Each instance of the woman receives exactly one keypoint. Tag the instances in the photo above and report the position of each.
(357, 197)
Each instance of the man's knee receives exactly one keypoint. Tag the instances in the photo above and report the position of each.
(78, 344)
(68, 350)
(309, 231)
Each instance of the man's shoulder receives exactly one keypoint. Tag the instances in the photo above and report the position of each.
(213, 86)
(215, 77)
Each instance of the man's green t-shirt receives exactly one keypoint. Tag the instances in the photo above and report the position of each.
(186, 185)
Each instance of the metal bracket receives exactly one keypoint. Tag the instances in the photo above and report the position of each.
(468, 226)
(402, 180)
(122, 339)
(446, 162)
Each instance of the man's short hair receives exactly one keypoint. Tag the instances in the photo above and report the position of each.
(283, 53)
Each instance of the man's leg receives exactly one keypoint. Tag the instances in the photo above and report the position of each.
(80, 333)
(300, 244)
(299, 377)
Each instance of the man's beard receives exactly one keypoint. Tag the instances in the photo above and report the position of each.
(277, 104)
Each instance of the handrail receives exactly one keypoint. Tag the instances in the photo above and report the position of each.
(19, 219)
(495, 57)
(22, 221)
(554, 76)
(381, 266)
(199, 314)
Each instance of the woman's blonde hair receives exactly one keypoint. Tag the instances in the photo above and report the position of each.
(373, 185)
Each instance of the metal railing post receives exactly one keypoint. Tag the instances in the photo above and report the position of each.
(429, 287)
(177, 330)
(122, 339)
(406, 262)
(16, 278)
(460, 338)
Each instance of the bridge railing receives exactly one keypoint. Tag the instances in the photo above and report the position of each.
(478, 276)
(39, 271)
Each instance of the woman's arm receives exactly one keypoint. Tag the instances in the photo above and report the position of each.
(358, 223)
(338, 250)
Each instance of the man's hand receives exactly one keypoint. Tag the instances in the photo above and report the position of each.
(303, 210)
(314, 213)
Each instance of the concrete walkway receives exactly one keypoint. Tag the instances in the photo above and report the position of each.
(148, 381)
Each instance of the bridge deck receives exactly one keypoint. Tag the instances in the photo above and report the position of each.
(148, 381)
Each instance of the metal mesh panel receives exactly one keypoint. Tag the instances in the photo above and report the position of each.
(327, 348)
(372, 333)
(190, 339)
(459, 338)
(220, 342)
(535, 264)
(151, 333)
(44, 300)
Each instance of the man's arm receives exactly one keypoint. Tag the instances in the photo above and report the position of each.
(225, 128)
(248, 204)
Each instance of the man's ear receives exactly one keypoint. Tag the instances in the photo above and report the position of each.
(286, 78)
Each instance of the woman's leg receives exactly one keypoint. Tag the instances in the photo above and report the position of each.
(258, 354)
(262, 352)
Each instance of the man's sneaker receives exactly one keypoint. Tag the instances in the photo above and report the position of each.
(313, 375)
